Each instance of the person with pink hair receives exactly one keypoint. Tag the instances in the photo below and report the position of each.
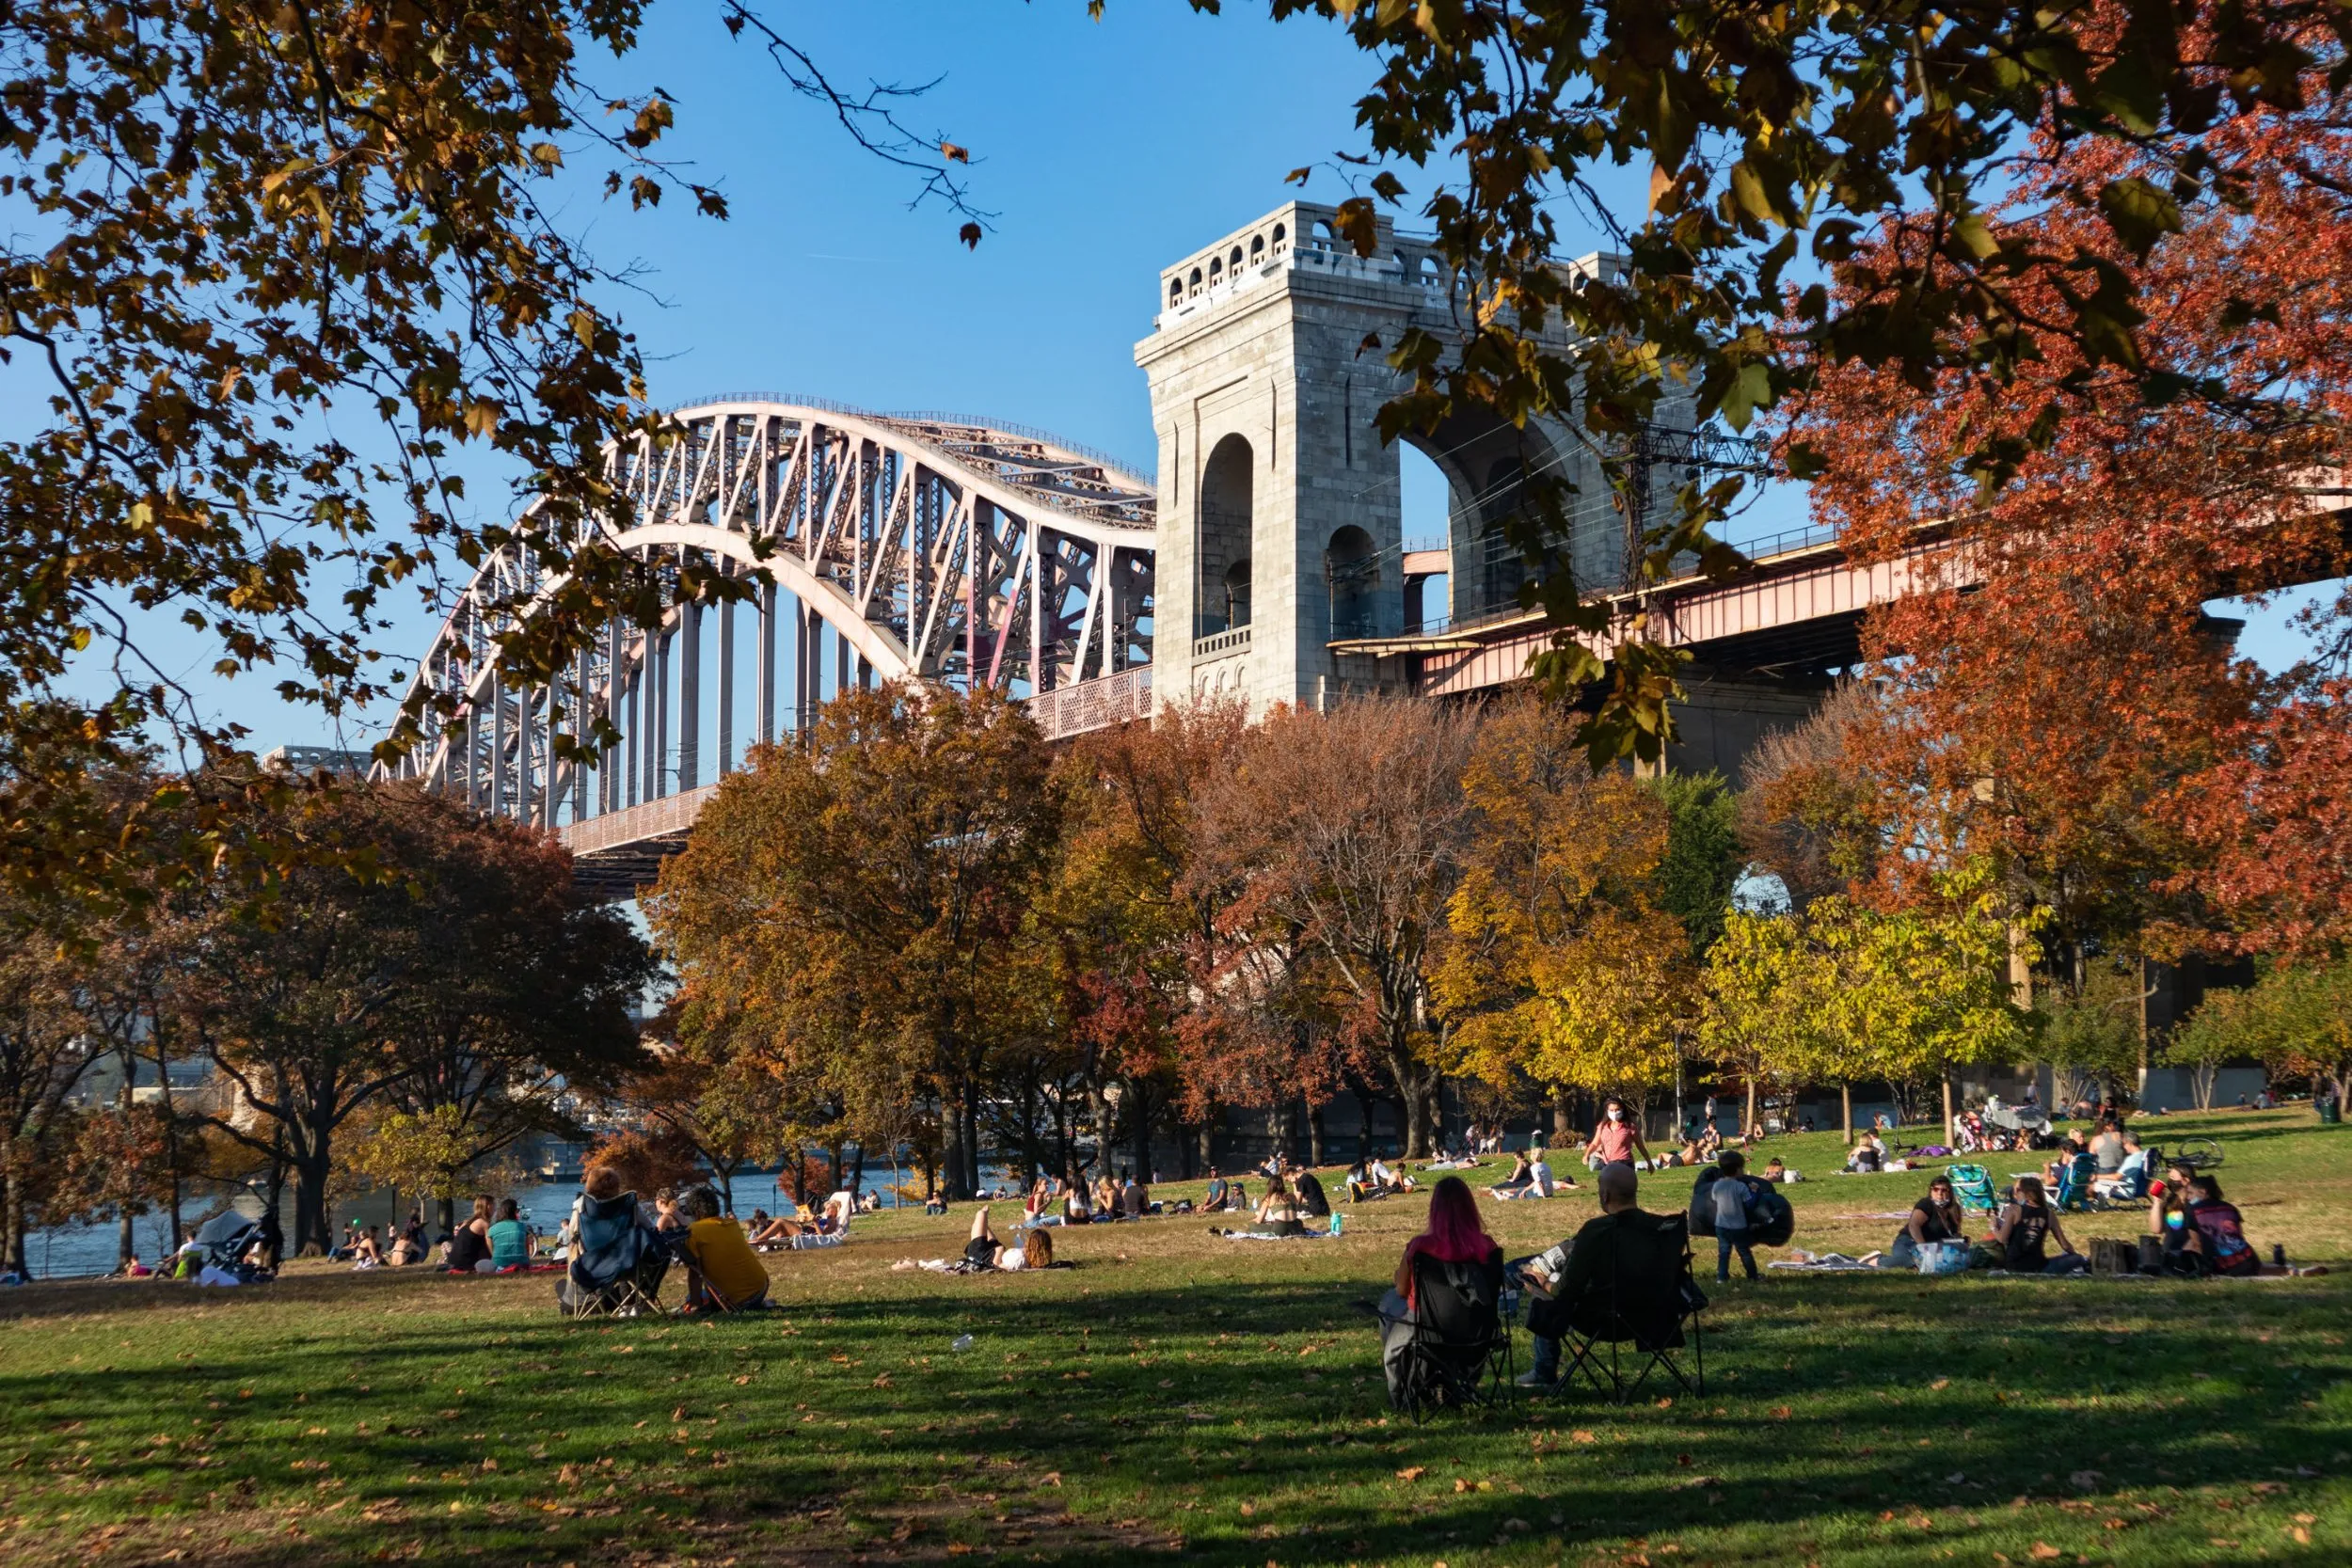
(1457, 1235)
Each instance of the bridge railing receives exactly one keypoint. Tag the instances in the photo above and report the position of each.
(672, 813)
(930, 416)
(1095, 705)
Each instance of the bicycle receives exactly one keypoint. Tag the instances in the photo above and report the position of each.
(2196, 1153)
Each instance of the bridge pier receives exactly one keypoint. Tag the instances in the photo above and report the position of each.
(1724, 713)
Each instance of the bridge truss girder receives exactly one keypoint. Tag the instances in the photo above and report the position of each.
(943, 549)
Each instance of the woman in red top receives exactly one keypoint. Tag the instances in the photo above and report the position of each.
(1615, 1142)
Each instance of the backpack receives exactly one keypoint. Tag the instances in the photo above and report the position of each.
(1770, 1220)
(1703, 1201)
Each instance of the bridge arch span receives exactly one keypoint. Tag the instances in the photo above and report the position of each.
(875, 546)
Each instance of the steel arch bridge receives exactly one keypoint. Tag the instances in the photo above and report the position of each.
(964, 551)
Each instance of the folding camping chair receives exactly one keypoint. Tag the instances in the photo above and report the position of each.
(2076, 1194)
(1972, 1186)
(1641, 1295)
(617, 1262)
(1458, 1352)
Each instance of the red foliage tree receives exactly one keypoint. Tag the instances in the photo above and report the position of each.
(2054, 694)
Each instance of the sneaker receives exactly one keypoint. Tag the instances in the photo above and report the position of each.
(1533, 1379)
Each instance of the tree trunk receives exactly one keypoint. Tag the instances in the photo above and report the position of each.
(956, 1184)
(1563, 1120)
(126, 1242)
(12, 1220)
(1314, 1135)
(1845, 1100)
(1140, 1127)
(1948, 1108)
(1683, 1122)
(1747, 1125)
(171, 1135)
(313, 1228)
(1208, 1138)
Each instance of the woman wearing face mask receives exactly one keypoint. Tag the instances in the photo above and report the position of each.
(1614, 1141)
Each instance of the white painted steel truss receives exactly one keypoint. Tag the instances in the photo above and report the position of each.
(958, 551)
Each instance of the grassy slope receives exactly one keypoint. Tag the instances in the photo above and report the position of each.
(1172, 1388)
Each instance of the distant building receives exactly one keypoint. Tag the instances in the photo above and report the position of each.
(313, 759)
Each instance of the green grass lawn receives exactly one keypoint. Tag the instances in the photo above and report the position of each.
(1173, 1393)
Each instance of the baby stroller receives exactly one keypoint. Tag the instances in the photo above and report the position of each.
(1972, 1186)
(222, 1243)
(616, 1264)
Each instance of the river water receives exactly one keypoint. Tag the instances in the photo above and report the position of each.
(75, 1251)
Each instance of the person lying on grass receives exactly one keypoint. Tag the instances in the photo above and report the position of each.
(722, 1274)
(1552, 1312)
(2026, 1226)
(985, 1251)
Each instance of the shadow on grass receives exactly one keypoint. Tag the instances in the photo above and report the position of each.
(1118, 1422)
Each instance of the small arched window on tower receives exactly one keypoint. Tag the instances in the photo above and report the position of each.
(1353, 571)
(1175, 290)
(1322, 235)
(1216, 270)
(1196, 281)
(1257, 250)
(1282, 236)
(1234, 262)
(1430, 275)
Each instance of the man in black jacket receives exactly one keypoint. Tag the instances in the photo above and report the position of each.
(1622, 1237)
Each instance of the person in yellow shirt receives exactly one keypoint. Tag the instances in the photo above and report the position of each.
(721, 1271)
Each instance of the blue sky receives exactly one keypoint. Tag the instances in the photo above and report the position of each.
(1104, 150)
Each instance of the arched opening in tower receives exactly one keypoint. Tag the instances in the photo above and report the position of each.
(1221, 585)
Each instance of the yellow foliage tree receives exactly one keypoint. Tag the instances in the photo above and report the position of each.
(1560, 966)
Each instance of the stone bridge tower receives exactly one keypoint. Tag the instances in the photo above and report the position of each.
(1280, 519)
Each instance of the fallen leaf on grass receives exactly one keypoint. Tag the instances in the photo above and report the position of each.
(2302, 1536)
(1582, 1435)
(1412, 1472)
(1781, 1413)
(2044, 1549)
(1941, 1383)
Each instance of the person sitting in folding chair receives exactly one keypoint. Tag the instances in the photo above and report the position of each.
(722, 1273)
(1626, 1279)
(616, 1264)
(1441, 1327)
